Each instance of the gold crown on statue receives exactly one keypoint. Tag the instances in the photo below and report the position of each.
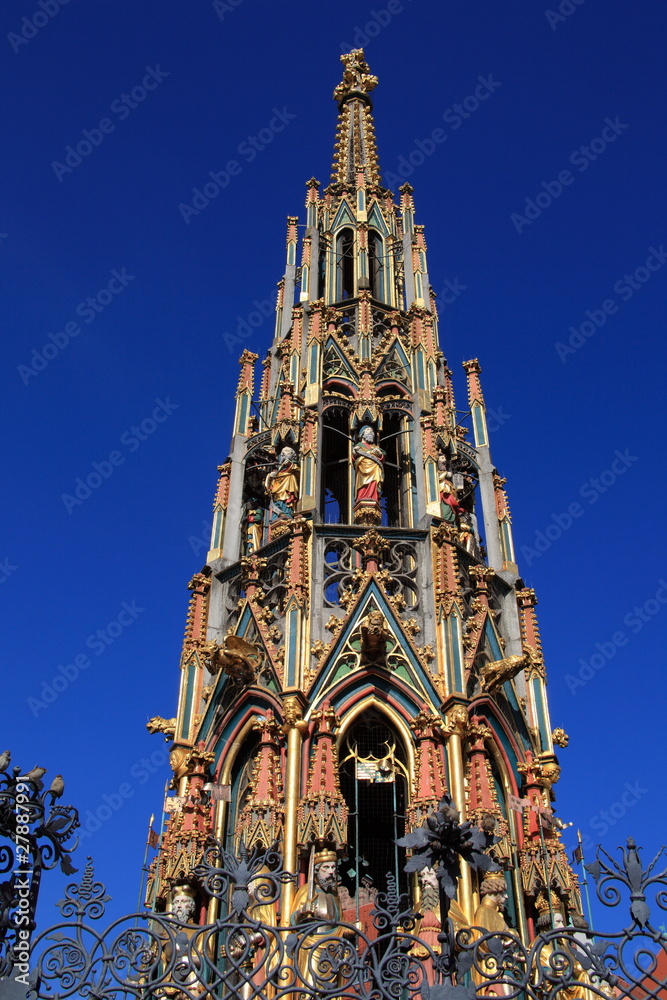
(321, 857)
(494, 882)
(183, 889)
(542, 902)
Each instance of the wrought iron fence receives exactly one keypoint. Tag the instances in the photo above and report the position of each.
(243, 955)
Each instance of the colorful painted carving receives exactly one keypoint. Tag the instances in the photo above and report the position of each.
(253, 522)
(318, 900)
(282, 485)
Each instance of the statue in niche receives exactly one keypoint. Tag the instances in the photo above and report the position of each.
(552, 917)
(431, 925)
(369, 461)
(253, 523)
(282, 485)
(489, 919)
(317, 902)
(450, 508)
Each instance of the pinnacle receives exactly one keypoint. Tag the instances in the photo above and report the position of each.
(355, 148)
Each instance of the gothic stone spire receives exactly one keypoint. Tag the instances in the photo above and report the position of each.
(355, 150)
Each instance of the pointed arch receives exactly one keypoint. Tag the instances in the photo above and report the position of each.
(375, 769)
(344, 216)
(377, 269)
(345, 260)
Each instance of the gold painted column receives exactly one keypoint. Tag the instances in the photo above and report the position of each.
(295, 727)
(457, 724)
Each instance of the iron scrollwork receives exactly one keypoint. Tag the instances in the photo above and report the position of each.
(248, 953)
(35, 832)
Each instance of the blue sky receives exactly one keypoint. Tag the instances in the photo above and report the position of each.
(544, 207)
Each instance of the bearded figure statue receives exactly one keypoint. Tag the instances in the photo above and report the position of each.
(182, 954)
(317, 902)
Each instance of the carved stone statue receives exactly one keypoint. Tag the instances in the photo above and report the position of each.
(495, 674)
(317, 900)
(236, 656)
(369, 461)
(282, 485)
(253, 520)
(429, 907)
(553, 918)
(374, 635)
(159, 725)
(185, 951)
(450, 508)
(489, 918)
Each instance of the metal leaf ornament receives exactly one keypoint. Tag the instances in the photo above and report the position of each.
(442, 840)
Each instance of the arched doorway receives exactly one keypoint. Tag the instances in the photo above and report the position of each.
(374, 781)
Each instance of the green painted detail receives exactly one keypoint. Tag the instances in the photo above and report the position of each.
(187, 707)
(376, 219)
(479, 424)
(420, 370)
(243, 413)
(457, 659)
(216, 533)
(508, 544)
(344, 217)
(313, 365)
(538, 695)
(307, 488)
(432, 481)
(290, 634)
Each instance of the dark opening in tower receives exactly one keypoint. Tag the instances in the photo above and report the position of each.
(335, 465)
(240, 789)
(376, 265)
(373, 779)
(395, 501)
(345, 265)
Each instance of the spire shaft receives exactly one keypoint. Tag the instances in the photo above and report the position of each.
(355, 149)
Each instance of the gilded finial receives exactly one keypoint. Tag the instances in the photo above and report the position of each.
(356, 76)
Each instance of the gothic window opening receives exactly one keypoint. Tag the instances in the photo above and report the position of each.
(335, 466)
(345, 265)
(240, 784)
(398, 471)
(374, 783)
(376, 265)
